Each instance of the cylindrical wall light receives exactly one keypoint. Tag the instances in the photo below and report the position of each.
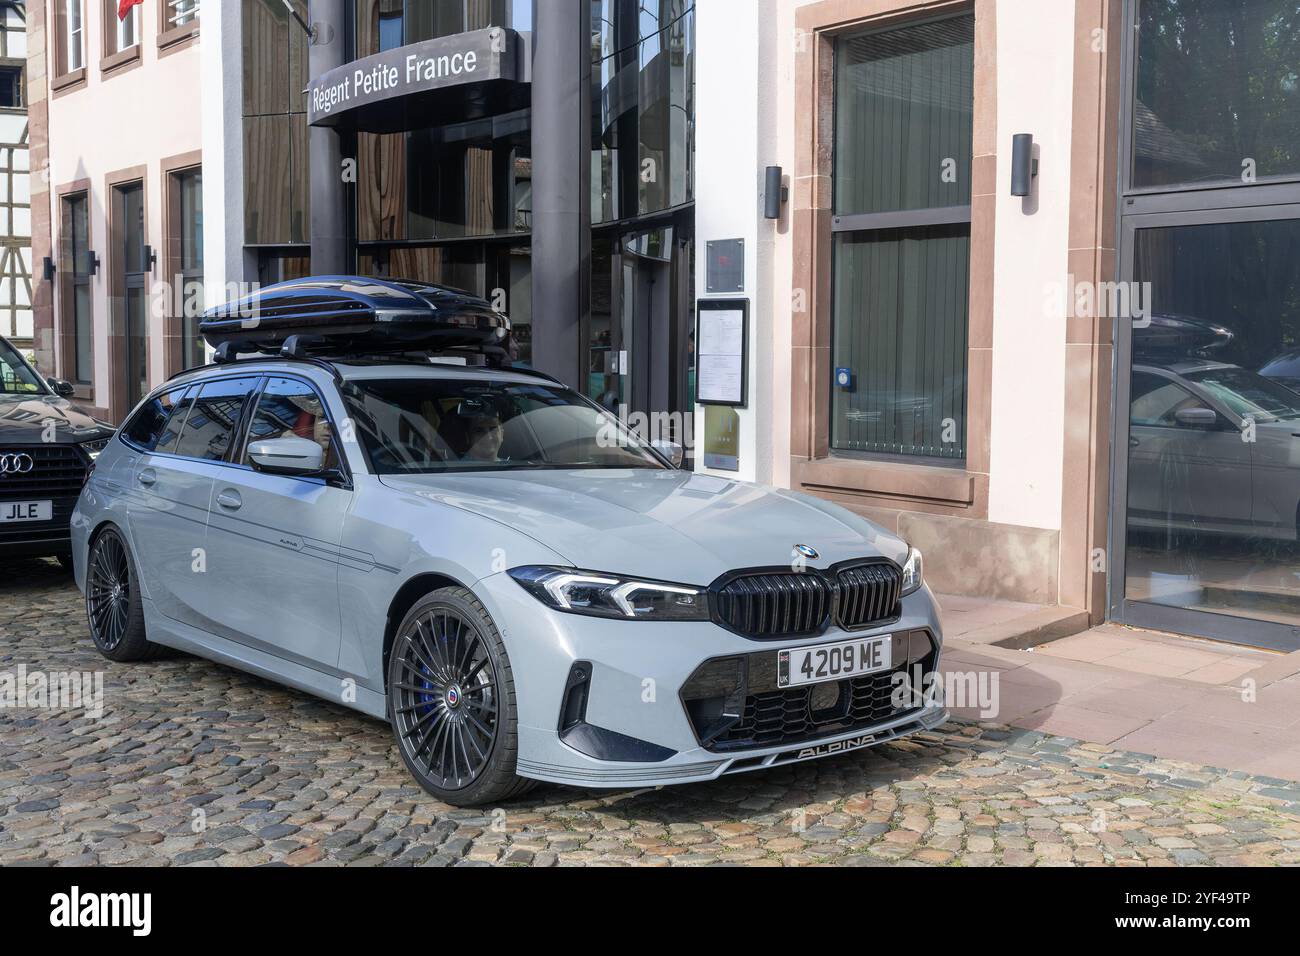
(1023, 165)
(774, 193)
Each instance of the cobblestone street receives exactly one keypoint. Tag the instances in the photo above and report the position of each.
(268, 775)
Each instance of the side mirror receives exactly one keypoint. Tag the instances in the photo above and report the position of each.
(1201, 417)
(61, 387)
(286, 456)
(674, 452)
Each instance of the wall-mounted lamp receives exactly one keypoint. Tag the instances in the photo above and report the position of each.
(775, 194)
(48, 268)
(92, 263)
(150, 258)
(1023, 165)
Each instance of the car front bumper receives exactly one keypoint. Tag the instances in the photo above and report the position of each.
(636, 684)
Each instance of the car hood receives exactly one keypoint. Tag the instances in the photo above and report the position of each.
(24, 420)
(666, 525)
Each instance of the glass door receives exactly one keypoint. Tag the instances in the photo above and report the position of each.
(1208, 409)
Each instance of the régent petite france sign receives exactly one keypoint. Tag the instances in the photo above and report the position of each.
(465, 58)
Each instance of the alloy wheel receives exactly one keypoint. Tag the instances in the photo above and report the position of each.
(108, 594)
(445, 698)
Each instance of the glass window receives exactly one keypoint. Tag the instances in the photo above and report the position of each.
(1213, 509)
(154, 422)
(74, 285)
(289, 408)
(423, 426)
(181, 12)
(904, 101)
(187, 205)
(73, 57)
(276, 163)
(214, 417)
(1218, 92)
(643, 79)
(16, 376)
(125, 31)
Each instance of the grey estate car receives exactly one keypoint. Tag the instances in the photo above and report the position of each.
(487, 560)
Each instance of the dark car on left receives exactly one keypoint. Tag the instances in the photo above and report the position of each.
(47, 447)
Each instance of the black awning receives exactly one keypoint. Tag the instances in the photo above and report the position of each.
(431, 83)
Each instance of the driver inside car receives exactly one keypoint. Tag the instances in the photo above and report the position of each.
(484, 435)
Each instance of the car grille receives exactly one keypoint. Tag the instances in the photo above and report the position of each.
(771, 605)
(869, 593)
(57, 475)
(58, 472)
(789, 603)
(805, 713)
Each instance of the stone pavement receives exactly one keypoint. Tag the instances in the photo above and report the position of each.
(193, 763)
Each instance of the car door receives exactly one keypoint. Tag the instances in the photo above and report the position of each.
(166, 496)
(274, 539)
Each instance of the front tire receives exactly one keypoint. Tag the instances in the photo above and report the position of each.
(113, 605)
(451, 701)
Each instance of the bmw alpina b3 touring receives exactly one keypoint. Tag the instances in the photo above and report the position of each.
(487, 560)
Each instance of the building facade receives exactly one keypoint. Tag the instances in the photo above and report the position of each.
(118, 209)
(1079, 397)
(1014, 278)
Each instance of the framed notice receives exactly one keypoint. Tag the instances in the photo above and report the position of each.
(721, 347)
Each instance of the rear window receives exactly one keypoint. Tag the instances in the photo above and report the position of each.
(212, 420)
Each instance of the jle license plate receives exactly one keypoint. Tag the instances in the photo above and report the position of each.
(26, 511)
(812, 665)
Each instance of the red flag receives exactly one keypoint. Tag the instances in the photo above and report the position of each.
(124, 7)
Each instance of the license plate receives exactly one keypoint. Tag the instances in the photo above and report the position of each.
(26, 511)
(825, 662)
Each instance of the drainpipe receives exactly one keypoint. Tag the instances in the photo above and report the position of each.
(561, 244)
(326, 51)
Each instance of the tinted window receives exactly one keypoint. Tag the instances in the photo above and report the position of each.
(150, 424)
(15, 375)
(290, 408)
(214, 417)
(1217, 92)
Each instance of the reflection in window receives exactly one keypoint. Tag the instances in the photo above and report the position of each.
(643, 78)
(1213, 509)
(1218, 91)
(277, 209)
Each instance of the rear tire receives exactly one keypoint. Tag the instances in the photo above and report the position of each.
(451, 701)
(113, 606)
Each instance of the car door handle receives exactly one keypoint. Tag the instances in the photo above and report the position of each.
(147, 477)
(1133, 442)
(230, 500)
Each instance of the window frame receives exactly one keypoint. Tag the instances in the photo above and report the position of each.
(69, 280)
(65, 74)
(174, 171)
(897, 221)
(172, 37)
(114, 58)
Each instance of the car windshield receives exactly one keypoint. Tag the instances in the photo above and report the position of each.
(16, 376)
(1249, 394)
(433, 425)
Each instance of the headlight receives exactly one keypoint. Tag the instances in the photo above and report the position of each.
(913, 571)
(608, 595)
(93, 448)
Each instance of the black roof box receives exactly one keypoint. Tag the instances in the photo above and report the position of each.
(351, 315)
